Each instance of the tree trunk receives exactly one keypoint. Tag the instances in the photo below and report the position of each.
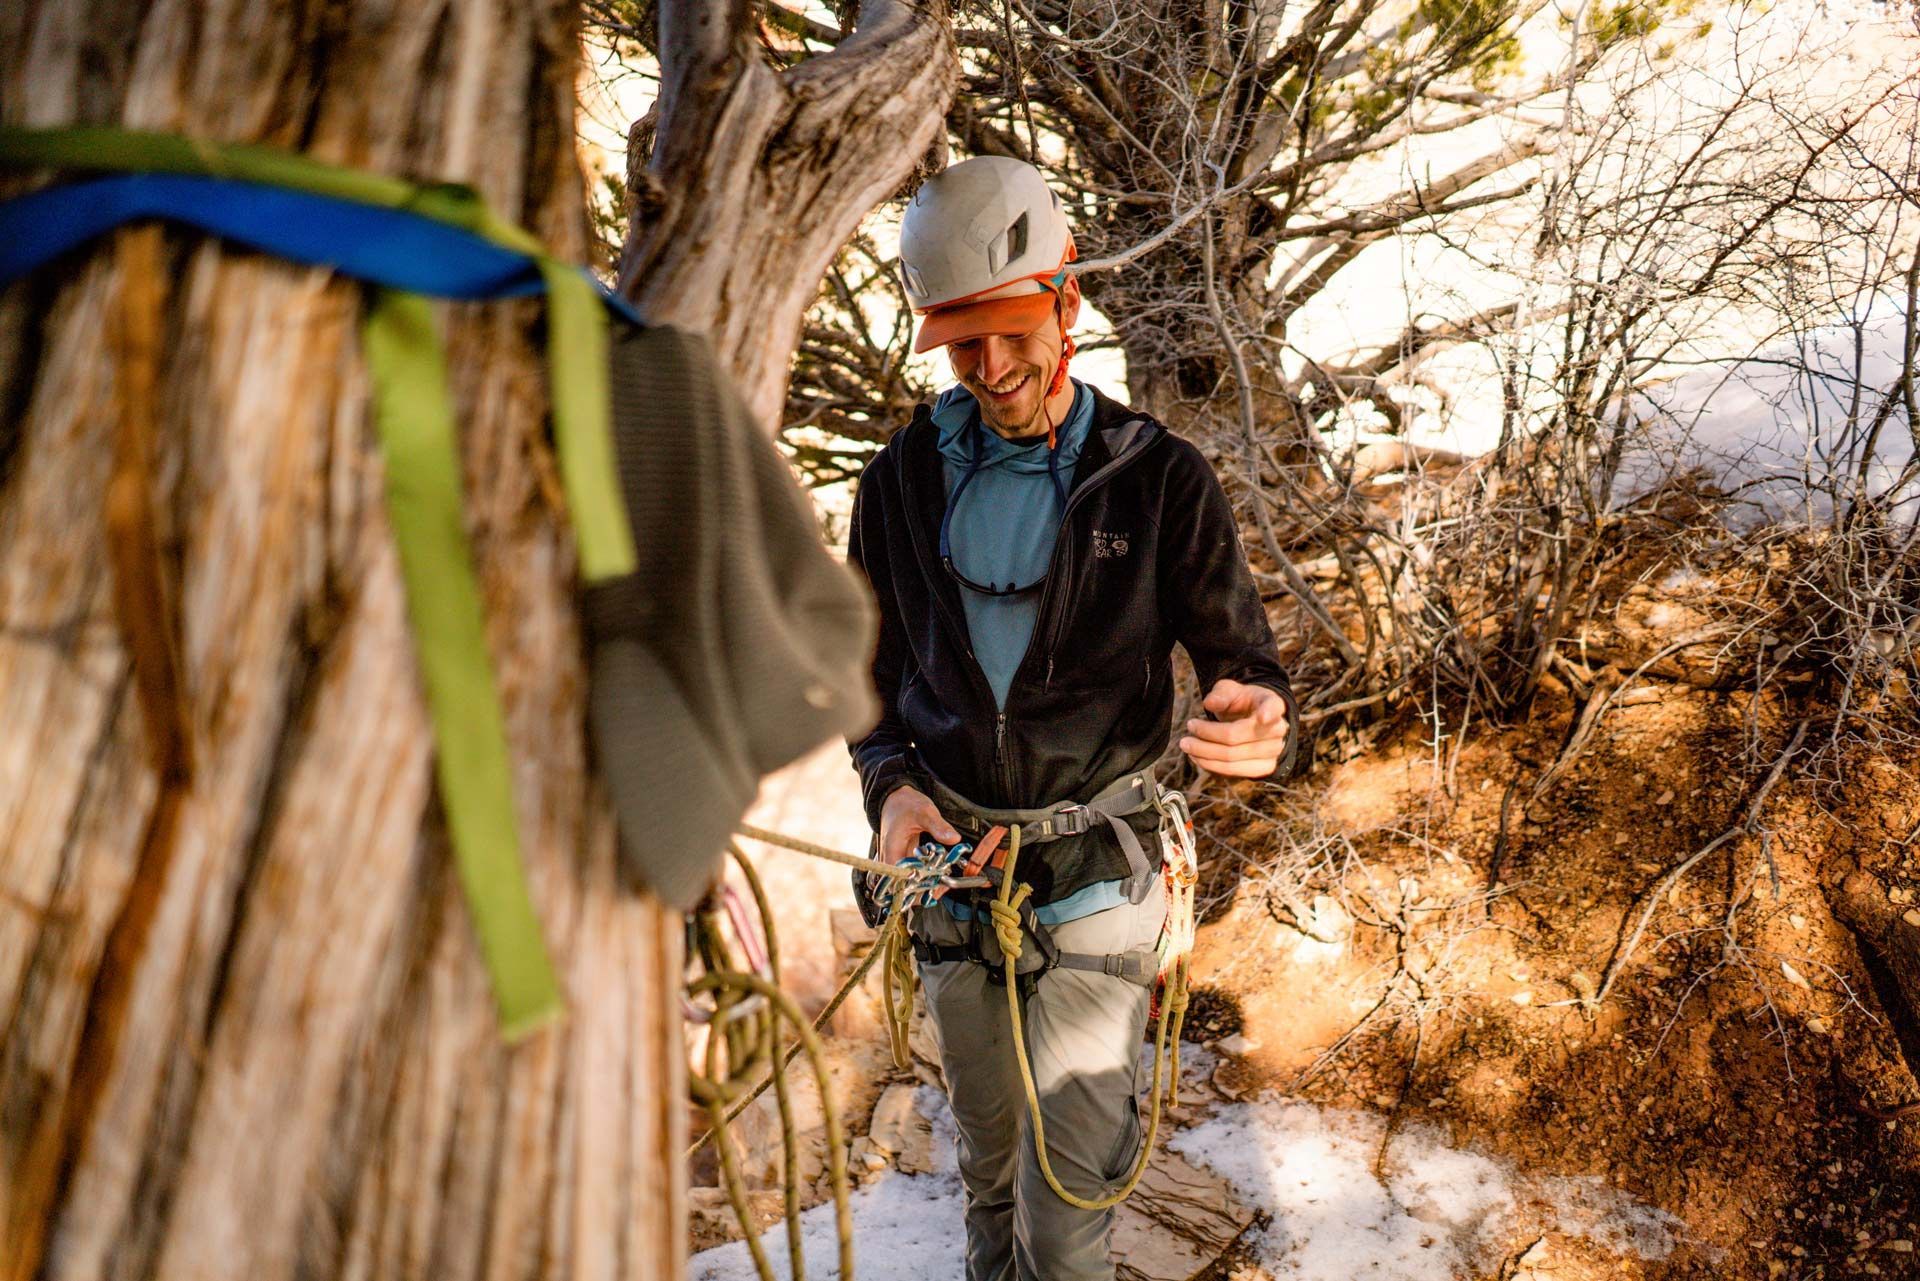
(245, 1031)
(757, 178)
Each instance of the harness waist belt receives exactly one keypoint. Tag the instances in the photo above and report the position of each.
(1129, 795)
(1141, 967)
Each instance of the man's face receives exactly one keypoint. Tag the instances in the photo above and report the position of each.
(1009, 373)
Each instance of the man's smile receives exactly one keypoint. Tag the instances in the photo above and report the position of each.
(1006, 395)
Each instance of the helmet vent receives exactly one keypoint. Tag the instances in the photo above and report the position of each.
(914, 283)
(1017, 239)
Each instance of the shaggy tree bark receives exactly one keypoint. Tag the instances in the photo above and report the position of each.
(244, 1027)
(758, 177)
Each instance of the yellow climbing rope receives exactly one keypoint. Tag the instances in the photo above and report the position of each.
(1005, 911)
(725, 1097)
(748, 1010)
(891, 946)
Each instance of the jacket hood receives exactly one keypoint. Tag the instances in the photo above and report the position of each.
(955, 415)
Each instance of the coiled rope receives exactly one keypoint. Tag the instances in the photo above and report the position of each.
(748, 1009)
(891, 947)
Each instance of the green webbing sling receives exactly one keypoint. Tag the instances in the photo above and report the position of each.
(443, 601)
(415, 418)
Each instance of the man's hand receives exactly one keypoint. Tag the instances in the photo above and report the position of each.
(908, 814)
(1248, 735)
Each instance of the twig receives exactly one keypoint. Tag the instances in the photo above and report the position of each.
(1500, 842)
(1673, 875)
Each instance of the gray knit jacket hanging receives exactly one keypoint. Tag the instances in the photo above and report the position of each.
(737, 644)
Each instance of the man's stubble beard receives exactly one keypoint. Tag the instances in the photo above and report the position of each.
(1026, 419)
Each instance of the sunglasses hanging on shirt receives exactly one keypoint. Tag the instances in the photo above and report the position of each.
(974, 465)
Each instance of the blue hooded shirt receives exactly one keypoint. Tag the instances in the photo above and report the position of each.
(1004, 529)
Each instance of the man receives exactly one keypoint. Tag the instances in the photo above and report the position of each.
(1036, 550)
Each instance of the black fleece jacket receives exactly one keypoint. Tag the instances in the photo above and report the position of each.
(1148, 554)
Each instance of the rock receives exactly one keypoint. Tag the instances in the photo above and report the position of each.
(1220, 1079)
(756, 1132)
(1237, 1045)
(864, 1159)
(1329, 922)
(711, 1220)
(899, 1130)
(852, 936)
(1177, 1222)
(861, 1016)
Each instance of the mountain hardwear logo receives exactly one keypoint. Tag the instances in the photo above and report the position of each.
(1107, 545)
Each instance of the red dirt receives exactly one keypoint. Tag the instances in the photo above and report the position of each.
(1723, 1092)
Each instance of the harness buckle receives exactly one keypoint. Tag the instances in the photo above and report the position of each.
(1071, 820)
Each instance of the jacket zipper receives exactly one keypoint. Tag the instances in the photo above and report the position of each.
(1062, 551)
(1000, 752)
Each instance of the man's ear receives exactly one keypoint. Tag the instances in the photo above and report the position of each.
(1070, 302)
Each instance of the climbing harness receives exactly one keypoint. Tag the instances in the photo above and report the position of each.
(1127, 796)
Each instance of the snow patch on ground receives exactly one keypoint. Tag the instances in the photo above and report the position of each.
(906, 1227)
(1442, 1213)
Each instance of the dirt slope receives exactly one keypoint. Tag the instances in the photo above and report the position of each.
(1721, 1076)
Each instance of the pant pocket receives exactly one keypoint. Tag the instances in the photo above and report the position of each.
(1126, 1149)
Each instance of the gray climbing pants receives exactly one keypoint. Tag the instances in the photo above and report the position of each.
(1083, 1032)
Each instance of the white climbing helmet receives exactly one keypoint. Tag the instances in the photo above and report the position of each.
(983, 249)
